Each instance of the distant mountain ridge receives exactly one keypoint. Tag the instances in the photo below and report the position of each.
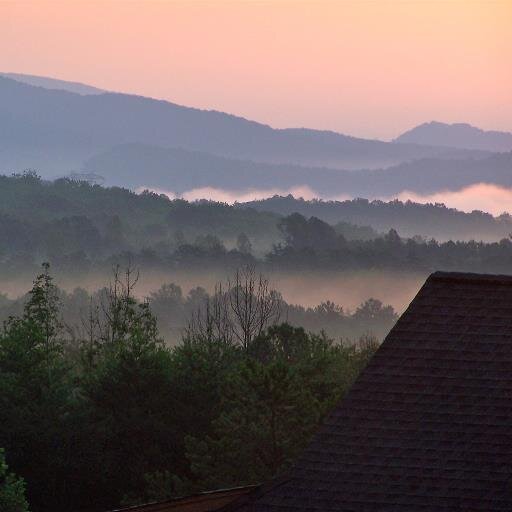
(55, 131)
(179, 170)
(457, 135)
(54, 83)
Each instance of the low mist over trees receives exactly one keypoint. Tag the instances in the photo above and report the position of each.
(84, 229)
(312, 243)
(178, 312)
(110, 415)
(408, 218)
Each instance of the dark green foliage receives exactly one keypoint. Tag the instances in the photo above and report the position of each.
(67, 221)
(126, 387)
(301, 233)
(37, 394)
(12, 489)
(270, 403)
(131, 410)
(113, 416)
(266, 417)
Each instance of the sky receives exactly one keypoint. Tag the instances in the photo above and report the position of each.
(369, 68)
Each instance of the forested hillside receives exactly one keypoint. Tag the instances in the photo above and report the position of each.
(63, 217)
(408, 218)
(82, 228)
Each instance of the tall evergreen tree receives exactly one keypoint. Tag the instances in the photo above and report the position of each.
(36, 394)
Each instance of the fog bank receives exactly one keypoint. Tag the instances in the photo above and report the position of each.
(348, 289)
(485, 197)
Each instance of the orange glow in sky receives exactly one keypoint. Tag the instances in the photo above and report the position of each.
(366, 68)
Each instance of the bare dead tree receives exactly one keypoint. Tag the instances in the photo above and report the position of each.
(239, 312)
(117, 305)
(212, 322)
(109, 318)
(254, 305)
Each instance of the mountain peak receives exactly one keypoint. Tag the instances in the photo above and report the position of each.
(457, 135)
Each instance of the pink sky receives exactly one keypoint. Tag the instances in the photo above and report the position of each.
(367, 68)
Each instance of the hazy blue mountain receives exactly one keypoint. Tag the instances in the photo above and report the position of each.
(179, 170)
(54, 131)
(458, 135)
(54, 83)
(430, 175)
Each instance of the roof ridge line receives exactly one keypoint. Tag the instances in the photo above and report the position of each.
(469, 276)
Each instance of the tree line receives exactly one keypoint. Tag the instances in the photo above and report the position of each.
(115, 416)
(431, 220)
(173, 309)
(306, 244)
(83, 229)
(312, 243)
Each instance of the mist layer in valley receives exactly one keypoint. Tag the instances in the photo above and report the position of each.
(348, 289)
(480, 197)
(329, 301)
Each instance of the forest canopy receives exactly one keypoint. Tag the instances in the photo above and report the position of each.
(113, 416)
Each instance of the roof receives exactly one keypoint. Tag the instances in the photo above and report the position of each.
(203, 502)
(428, 424)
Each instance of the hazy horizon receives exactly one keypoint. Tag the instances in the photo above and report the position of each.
(368, 69)
(485, 197)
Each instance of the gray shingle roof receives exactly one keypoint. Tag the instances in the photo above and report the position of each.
(428, 424)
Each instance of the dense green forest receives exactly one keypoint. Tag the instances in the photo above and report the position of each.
(82, 229)
(112, 415)
(42, 217)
